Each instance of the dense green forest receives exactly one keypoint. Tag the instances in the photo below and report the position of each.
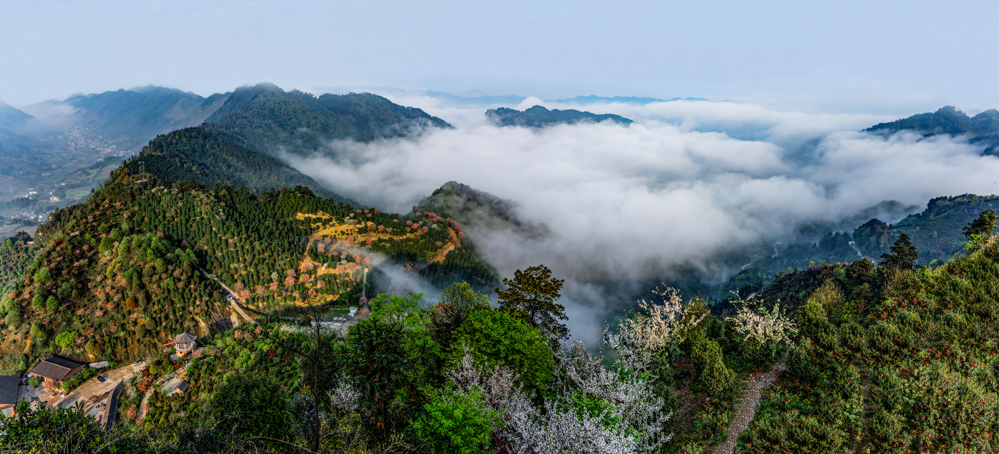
(204, 156)
(540, 117)
(136, 264)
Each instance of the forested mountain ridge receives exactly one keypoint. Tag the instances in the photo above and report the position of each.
(63, 159)
(130, 118)
(120, 275)
(202, 155)
(936, 232)
(473, 208)
(274, 121)
(540, 117)
(982, 128)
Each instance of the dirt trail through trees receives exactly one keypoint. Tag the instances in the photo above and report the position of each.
(747, 408)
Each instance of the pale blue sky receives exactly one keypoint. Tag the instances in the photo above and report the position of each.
(888, 56)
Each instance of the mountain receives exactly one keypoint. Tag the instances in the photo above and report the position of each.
(79, 140)
(540, 117)
(981, 129)
(201, 155)
(128, 119)
(269, 119)
(11, 118)
(477, 210)
(936, 232)
(592, 99)
(122, 272)
(13, 140)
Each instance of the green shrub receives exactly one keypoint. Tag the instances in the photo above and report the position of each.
(457, 423)
(11, 363)
(38, 301)
(64, 340)
(250, 405)
(712, 373)
(13, 319)
(496, 337)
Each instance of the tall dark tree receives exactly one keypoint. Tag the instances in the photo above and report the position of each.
(532, 295)
(251, 405)
(983, 226)
(378, 366)
(903, 255)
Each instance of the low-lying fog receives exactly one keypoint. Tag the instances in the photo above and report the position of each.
(686, 184)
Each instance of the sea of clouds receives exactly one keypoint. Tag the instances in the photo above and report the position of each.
(687, 183)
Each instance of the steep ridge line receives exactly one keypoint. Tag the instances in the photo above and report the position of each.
(747, 408)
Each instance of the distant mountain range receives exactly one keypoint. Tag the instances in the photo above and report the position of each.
(981, 129)
(517, 99)
(73, 144)
(540, 117)
(591, 99)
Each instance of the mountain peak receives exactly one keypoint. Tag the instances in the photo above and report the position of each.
(540, 117)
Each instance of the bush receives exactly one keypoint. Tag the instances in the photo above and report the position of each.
(13, 319)
(35, 381)
(712, 373)
(38, 302)
(496, 337)
(252, 406)
(11, 363)
(64, 340)
(457, 422)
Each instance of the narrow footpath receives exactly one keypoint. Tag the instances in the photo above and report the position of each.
(747, 408)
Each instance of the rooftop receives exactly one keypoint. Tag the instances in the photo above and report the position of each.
(8, 389)
(56, 368)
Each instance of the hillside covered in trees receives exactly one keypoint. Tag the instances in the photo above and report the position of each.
(846, 358)
(936, 232)
(540, 117)
(137, 263)
(271, 120)
(982, 129)
(203, 155)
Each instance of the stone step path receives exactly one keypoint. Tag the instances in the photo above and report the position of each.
(747, 408)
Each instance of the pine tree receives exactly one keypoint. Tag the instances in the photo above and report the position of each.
(532, 295)
(983, 226)
(903, 255)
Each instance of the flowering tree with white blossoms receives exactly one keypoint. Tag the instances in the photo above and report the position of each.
(763, 328)
(631, 395)
(527, 430)
(640, 339)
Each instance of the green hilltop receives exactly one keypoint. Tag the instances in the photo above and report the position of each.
(982, 129)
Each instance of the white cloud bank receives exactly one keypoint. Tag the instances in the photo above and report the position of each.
(673, 188)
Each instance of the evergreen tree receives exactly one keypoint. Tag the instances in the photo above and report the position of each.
(532, 295)
(903, 255)
(983, 226)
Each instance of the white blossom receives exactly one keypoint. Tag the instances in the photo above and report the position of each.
(762, 326)
(640, 338)
(344, 398)
(527, 430)
(630, 394)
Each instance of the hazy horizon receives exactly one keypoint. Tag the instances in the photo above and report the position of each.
(885, 58)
